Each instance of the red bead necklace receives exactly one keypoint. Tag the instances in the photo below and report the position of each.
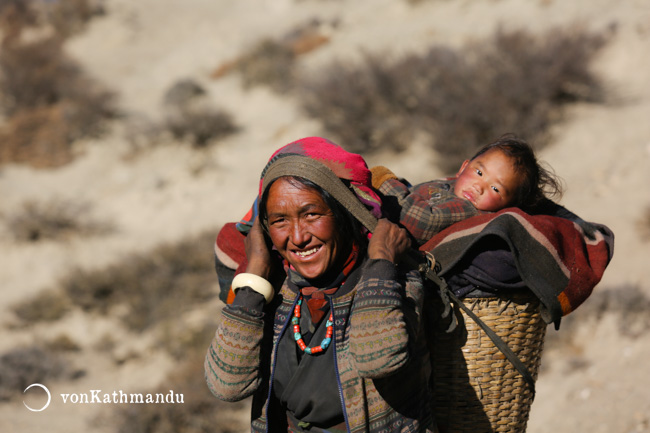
(295, 321)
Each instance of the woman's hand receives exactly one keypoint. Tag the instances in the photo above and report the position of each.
(258, 252)
(389, 241)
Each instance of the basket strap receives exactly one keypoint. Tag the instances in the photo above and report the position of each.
(429, 270)
(426, 265)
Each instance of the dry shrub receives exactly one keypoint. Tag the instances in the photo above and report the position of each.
(629, 304)
(38, 137)
(362, 106)
(459, 99)
(34, 74)
(54, 220)
(15, 15)
(151, 286)
(47, 306)
(183, 92)
(23, 366)
(271, 62)
(47, 99)
(69, 17)
(200, 127)
(64, 17)
(189, 117)
(200, 412)
(518, 83)
(63, 343)
(268, 63)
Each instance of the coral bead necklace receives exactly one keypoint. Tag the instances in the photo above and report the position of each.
(295, 321)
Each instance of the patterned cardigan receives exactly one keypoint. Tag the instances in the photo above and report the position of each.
(382, 360)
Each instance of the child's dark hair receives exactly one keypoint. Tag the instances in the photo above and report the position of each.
(537, 182)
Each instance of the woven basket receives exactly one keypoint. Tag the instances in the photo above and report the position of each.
(476, 388)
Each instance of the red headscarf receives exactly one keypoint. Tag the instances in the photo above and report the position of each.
(345, 165)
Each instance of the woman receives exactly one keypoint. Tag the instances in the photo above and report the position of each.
(338, 345)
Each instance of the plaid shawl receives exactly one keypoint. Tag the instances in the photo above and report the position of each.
(561, 260)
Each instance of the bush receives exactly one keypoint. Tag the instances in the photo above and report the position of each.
(47, 99)
(38, 73)
(65, 17)
(271, 62)
(151, 286)
(458, 100)
(518, 84)
(189, 117)
(69, 17)
(38, 137)
(23, 366)
(200, 127)
(47, 306)
(362, 106)
(268, 63)
(628, 303)
(53, 220)
(15, 15)
(62, 343)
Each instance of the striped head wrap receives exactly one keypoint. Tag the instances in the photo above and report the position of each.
(344, 175)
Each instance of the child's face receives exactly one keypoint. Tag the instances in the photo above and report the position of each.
(488, 181)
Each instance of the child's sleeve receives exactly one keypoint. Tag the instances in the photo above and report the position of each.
(427, 208)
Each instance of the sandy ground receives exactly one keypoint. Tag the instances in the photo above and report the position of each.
(141, 48)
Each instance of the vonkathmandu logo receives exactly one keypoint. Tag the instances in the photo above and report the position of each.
(96, 396)
(116, 397)
(49, 397)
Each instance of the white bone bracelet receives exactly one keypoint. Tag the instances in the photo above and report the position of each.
(255, 282)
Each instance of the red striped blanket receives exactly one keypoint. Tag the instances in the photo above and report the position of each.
(560, 260)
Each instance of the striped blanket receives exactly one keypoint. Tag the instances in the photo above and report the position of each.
(561, 260)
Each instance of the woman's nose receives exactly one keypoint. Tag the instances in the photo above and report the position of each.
(299, 235)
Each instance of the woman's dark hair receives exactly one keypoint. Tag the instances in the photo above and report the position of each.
(350, 228)
(537, 183)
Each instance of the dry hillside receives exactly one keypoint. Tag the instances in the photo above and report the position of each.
(96, 293)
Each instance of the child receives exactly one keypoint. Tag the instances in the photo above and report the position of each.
(504, 173)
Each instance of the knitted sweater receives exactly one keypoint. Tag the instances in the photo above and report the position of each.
(381, 357)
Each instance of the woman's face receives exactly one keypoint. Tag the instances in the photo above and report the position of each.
(302, 228)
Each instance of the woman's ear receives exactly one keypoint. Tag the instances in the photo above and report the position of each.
(462, 167)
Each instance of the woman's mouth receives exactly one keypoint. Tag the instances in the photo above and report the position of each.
(307, 253)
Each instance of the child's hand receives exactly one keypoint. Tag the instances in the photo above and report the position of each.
(389, 241)
(258, 252)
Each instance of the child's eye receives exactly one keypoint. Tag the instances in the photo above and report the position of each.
(479, 172)
(495, 189)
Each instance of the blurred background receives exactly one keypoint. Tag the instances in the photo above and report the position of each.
(131, 131)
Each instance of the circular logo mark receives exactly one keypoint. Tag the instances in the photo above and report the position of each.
(49, 397)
